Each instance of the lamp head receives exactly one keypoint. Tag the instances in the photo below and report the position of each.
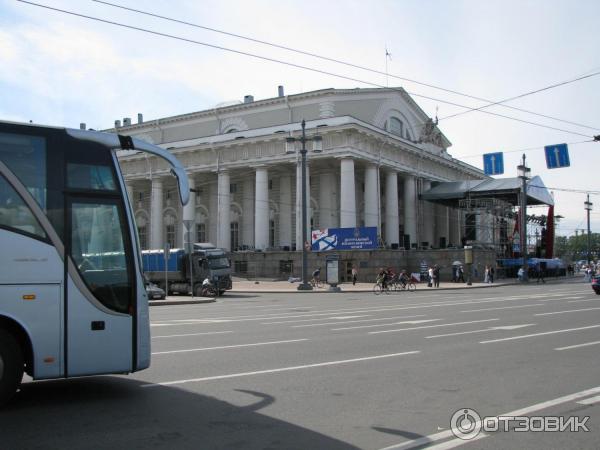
(317, 144)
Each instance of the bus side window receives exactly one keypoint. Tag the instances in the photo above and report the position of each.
(15, 214)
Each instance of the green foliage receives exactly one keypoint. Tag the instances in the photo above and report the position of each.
(574, 248)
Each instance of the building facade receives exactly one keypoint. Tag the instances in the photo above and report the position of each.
(380, 152)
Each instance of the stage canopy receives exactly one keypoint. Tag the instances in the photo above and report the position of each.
(506, 189)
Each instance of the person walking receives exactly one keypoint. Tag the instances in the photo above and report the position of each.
(461, 274)
(436, 276)
(354, 275)
(540, 273)
(520, 273)
(430, 277)
(491, 274)
(486, 276)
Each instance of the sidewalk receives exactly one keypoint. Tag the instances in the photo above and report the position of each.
(266, 286)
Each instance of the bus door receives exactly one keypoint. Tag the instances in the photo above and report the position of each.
(99, 301)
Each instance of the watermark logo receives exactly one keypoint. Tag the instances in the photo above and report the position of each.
(466, 424)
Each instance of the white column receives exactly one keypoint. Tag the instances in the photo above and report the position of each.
(213, 211)
(223, 211)
(428, 217)
(410, 208)
(347, 194)
(326, 200)
(392, 232)
(372, 198)
(248, 212)
(156, 214)
(285, 211)
(261, 209)
(299, 205)
(189, 212)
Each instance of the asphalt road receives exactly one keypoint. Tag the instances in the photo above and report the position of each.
(337, 371)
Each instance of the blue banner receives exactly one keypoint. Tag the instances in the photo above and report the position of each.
(363, 238)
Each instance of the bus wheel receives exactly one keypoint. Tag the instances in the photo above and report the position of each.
(11, 366)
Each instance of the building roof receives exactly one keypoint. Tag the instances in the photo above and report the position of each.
(507, 189)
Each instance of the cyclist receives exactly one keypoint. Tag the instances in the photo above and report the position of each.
(316, 276)
(383, 277)
(404, 279)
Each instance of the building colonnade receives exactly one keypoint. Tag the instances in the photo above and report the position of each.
(259, 208)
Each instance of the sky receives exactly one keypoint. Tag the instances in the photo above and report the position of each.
(60, 69)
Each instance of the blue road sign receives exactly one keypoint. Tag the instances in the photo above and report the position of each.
(493, 163)
(557, 156)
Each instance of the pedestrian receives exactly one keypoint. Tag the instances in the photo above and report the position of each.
(520, 273)
(430, 277)
(461, 274)
(486, 275)
(540, 273)
(354, 275)
(436, 276)
(492, 272)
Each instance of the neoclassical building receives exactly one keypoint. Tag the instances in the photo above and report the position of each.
(380, 152)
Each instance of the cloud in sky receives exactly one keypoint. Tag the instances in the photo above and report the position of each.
(63, 70)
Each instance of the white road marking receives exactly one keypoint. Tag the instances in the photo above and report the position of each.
(501, 307)
(590, 401)
(586, 300)
(413, 322)
(190, 334)
(432, 326)
(356, 321)
(563, 312)
(314, 320)
(507, 327)
(540, 334)
(578, 345)
(256, 344)
(327, 312)
(282, 369)
(519, 412)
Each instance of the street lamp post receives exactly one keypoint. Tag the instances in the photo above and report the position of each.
(588, 208)
(317, 148)
(523, 172)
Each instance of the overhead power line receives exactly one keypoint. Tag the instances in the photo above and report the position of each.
(552, 86)
(299, 66)
(356, 66)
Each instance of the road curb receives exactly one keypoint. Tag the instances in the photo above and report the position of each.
(180, 302)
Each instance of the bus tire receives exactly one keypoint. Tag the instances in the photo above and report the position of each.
(11, 366)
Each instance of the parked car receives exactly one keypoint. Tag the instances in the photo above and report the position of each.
(596, 284)
(154, 292)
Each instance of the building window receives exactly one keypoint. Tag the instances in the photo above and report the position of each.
(171, 235)
(270, 185)
(396, 126)
(271, 233)
(235, 235)
(140, 196)
(233, 188)
(200, 232)
(143, 236)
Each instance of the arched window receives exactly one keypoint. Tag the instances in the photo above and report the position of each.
(170, 234)
(395, 126)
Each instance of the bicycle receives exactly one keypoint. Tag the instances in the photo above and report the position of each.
(378, 287)
(409, 286)
(316, 282)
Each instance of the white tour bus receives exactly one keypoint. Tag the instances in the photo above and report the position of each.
(72, 297)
